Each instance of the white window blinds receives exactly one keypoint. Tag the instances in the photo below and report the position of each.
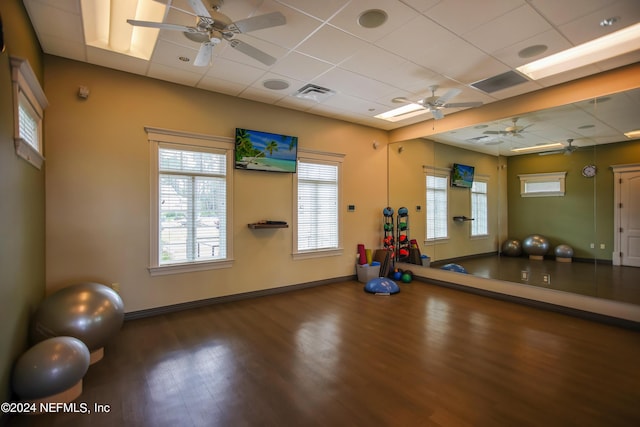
(436, 201)
(192, 205)
(479, 226)
(317, 209)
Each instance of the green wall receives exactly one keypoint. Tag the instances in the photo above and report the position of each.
(585, 214)
(22, 207)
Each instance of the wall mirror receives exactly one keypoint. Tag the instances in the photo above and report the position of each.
(589, 132)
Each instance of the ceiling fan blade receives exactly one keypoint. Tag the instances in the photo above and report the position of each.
(259, 22)
(162, 26)
(463, 104)
(253, 52)
(520, 129)
(448, 95)
(492, 132)
(199, 8)
(203, 59)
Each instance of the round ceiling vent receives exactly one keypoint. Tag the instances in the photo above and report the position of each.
(372, 18)
(531, 51)
(275, 84)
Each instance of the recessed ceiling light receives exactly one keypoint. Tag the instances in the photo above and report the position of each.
(372, 18)
(275, 84)
(531, 51)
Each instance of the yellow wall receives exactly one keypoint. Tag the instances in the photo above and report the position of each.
(407, 188)
(21, 206)
(98, 186)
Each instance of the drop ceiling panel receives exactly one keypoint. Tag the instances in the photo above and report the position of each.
(331, 45)
(463, 16)
(347, 19)
(322, 10)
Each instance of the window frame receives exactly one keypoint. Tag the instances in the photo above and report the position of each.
(547, 177)
(438, 173)
(28, 94)
(318, 157)
(484, 180)
(196, 142)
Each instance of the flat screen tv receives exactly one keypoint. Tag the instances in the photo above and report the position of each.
(263, 151)
(462, 175)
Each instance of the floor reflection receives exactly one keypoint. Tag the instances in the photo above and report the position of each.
(591, 279)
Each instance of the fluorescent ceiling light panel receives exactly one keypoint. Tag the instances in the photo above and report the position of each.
(633, 134)
(538, 147)
(106, 27)
(402, 113)
(614, 44)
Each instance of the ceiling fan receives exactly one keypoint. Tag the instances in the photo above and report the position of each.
(566, 150)
(212, 27)
(513, 130)
(435, 104)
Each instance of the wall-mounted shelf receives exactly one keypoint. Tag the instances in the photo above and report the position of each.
(462, 218)
(273, 224)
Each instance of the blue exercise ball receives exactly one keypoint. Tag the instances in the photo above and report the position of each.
(457, 268)
(381, 285)
(388, 211)
(91, 312)
(403, 211)
(50, 367)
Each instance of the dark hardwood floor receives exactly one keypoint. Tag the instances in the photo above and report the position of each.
(334, 355)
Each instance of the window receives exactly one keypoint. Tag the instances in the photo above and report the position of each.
(479, 208)
(191, 202)
(317, 216)
(436, 202)
(29, 104)
(542, 184)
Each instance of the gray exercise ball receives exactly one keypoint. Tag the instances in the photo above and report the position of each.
(91, 312)
(563, 251)
(535, 244)
(512, 247)
(50, 367)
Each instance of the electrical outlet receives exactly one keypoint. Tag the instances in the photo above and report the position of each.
(592, 245)
(524, 276)
(546, 279)
(602, 246)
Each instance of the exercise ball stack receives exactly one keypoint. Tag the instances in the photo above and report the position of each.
(90, 312)
(536, 246)
(51, 371)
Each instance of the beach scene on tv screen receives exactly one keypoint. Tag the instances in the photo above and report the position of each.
(257, 150)
(462, 175)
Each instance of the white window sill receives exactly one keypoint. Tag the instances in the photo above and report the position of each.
(27, 152)
(189, 267)
(317, 254)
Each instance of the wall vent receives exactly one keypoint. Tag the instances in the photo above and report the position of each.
(314, 92)
(499, 82)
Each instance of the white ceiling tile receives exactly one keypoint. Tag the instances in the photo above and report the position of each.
(301, 67)
(298, 27)
(331, 45)
(347, 82)
(175, 75)
(588, 26)
(561, 12)
(398, 14)
(462, 16)
(234, 72)
(512, 27)
(52, 21)
(554, 41)
(421, 5)
(322, 10)
(65, 48)
(215, 84)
